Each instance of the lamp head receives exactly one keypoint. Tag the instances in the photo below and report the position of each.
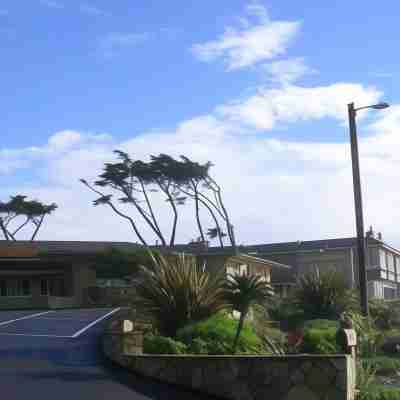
(380, 106)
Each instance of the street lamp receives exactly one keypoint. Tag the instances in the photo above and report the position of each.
(362, 274)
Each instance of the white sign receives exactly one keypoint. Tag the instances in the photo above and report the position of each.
(351, 337)
(127, 326)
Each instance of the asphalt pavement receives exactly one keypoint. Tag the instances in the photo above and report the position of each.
(56, 355)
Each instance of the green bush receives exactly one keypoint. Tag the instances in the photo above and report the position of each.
(320, 341)
(163, 345)
(379, 392)
(383, 363)
(323, 294)
(369, 338)
(321, 324)
(175, 291)
(215, 335)
(386, 314)
(287, 313)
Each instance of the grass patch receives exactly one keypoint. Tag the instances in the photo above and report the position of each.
(216, 335)
(380, 392)
(321, 324)
(383, 363)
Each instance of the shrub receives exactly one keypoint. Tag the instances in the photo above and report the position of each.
(382, 364)
(241, 293)
(386, 314)
(322, 294)
(365, 380)
(320, 341)
(176, 291)
(217, 334)
(321, 324)
(163, 345)
(369, 338)
(287, 312)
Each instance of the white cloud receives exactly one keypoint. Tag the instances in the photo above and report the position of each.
(257, 9)
(64, 139)
(114, 42)
(252, 44)
(287, 71)
(295, 103)
(276, 190)
(60, 143)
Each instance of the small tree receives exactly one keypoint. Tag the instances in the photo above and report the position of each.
(32, 212)
(176, 179)
(322, 294)
(243, 291)
(175, 291)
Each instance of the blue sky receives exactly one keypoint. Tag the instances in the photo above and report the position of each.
(265, 82)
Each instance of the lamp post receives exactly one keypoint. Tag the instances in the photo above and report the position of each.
(362, 273)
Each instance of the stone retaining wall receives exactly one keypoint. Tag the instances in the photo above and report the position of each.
(291, 377)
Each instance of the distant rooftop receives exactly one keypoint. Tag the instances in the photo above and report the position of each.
(64, 247)
(197, 248)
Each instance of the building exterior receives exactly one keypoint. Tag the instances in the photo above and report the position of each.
(383, 262)
(215, 259)
(48, 274)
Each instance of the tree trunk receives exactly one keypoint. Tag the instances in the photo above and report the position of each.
(163, 242)
(238, 331)
(118, 212)
(165, 189)
(4, 230)
(196, 200)
(38, 225)
(146, 218)
(221, 243)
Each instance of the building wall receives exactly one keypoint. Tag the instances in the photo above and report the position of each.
(70, 281)
(304, 262)
(383, 266)
(83, 277)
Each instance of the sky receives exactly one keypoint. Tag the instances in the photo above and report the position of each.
(259, 88)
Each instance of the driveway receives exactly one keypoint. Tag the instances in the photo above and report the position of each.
(56, 355)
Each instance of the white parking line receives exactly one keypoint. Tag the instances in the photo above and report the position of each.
(75, 335)
(29, 334)
(26, 317)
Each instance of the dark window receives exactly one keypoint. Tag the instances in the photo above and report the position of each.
(26, 287)
(3, 288)
(44, 287)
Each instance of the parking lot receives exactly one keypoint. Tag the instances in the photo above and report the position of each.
(55, 354)
(52, 324)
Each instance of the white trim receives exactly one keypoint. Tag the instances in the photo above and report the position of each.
(76, 334)
(26, 317)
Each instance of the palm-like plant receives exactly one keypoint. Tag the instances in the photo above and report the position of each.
(175, 291)
(243, 291)
(322, 294)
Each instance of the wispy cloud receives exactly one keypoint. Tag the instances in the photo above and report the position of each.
(113, 43)
(252, 43)
(52, 4)
(288, 71)
(92, 11)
